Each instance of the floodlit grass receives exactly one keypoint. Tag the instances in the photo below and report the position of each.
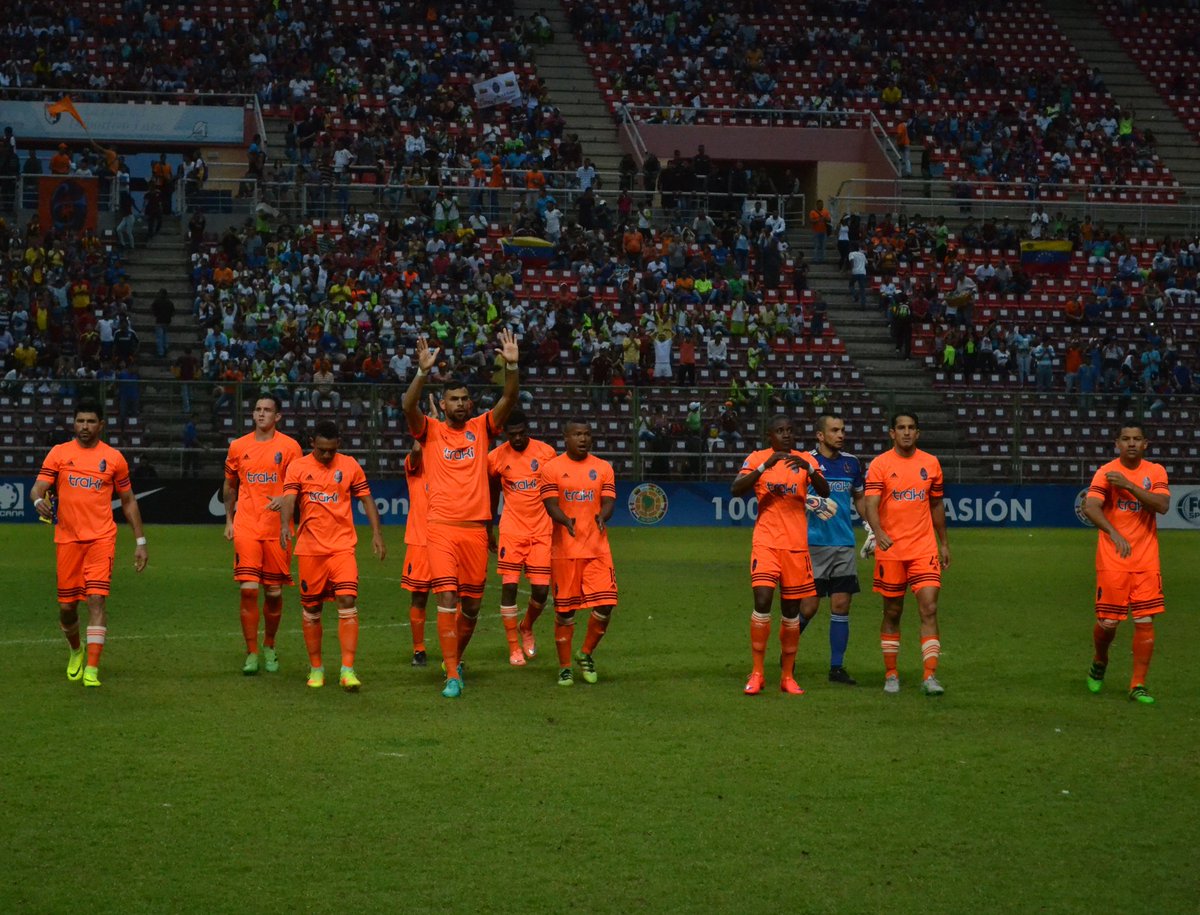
(183, 786)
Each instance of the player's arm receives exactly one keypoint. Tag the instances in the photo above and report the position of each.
(410, 403)
(607, 505)
(1093, 510)
(744, 482)
(558, 516)
(512, 378)
(378, 547)
(229, 493)
(1155, 501)
(937, 510)
(871, 513)
(817, 481)
(494, 497)
(287, 510)
(38, 494)
(133, 515)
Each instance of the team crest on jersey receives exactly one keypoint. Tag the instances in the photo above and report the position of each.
(470, 436)
(337, 476)
(591, 474)
(1145, 482)
(103, 465)
(533, 465)
(278, 457)
(924, 474)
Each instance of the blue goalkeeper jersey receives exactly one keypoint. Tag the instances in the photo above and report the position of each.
(845, 476)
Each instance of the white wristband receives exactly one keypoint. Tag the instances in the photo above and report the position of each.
(421, 373)
(141, 541)
(38, 501)
(512, 366)
(761, 468)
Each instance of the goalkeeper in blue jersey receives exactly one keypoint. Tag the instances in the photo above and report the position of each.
(831, 537)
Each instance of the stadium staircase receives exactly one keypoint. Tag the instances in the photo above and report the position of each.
(563, 69)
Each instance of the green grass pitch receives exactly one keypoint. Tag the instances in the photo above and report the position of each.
(182, 786)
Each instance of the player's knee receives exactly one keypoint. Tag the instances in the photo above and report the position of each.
(311, 614)
(539, 593)
(1109, 624)
(565, 619)
(273, 592)
(602, 613)
(249, 586)
(790, 609)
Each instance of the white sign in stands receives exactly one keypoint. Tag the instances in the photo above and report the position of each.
(135, 122)
(499, 90)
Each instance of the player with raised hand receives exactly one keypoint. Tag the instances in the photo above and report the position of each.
(255, 467)
(85, 474)
(455, 456)
(526, 531)
(780, 477)
(325, 483)
(579, 493)
(831, 537)
(1123, 502)
(415, 577)
(904, 507)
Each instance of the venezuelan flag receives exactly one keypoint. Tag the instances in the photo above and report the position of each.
(1045, 256)
(529, 249)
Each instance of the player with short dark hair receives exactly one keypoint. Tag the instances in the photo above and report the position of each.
(459, 504)
(780, 477)
(904, 506)
(1123, 502)
(75, 489)
(526, 531)
(831, 537)
(255, 467)
(325, 483)
(579, 492)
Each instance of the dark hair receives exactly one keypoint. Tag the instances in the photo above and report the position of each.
(777, 419)
(901, 413)
(516, 418)
(455, 384)
(1132, 424)
(825, 418)
(274, 398)
(327, 428)
(577, 420)
(89, 405)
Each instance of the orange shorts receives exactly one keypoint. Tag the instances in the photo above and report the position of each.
(788, 570)
(583, 583)
(530, 555)
(1119, 594)
(893, 576)
(84, 567)
(457, 558)
(324, 577)
(416, 576)
(263, 561)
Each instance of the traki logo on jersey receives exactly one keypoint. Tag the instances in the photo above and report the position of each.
(80, 482)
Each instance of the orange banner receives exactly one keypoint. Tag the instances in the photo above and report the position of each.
(68, 204)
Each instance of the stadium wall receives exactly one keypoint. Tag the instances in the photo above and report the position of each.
(647, 504)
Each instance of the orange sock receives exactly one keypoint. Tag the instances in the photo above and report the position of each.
(416, 622)
(889, 643)
(1102, 637)
(466, 628)
(448, 637)
(760, 632)
(249, 614)
(532, 611)
(95, 644)
(597, 626)
(931, 650)
(71, 631)
(508, 616)
(789, 642)
(348, 634)
(1143, 648)
(563, 634)
(310, 621)
(272, 616)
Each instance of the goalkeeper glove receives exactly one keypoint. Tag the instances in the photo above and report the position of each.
(868, 547)
(821, 507)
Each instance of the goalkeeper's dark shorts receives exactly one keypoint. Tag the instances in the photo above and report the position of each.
(835, 569)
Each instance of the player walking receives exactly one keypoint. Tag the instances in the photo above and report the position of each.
(526, 531)
(780, 477)
(255, 468)
(1124, 500)
(84, 474)
(579, 492)
(325, 484)
(415, 578)
(904, 508)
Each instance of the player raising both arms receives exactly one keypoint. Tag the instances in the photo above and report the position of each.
(579, 492)
(255, 468)
(526, 531)
(780, 477)
(455, 455)
(831, 538)
(415, 579)
(1124, 501)
(904, 507)
(325, 484)
(85, 473)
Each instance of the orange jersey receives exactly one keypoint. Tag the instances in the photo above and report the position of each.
(782, 519)
(418, 503)
(259, 469)
(905, 487)
(579, 487)
(325, 495)
(519, 473)
(86, 482)
(1131, 519)
(456, 468)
